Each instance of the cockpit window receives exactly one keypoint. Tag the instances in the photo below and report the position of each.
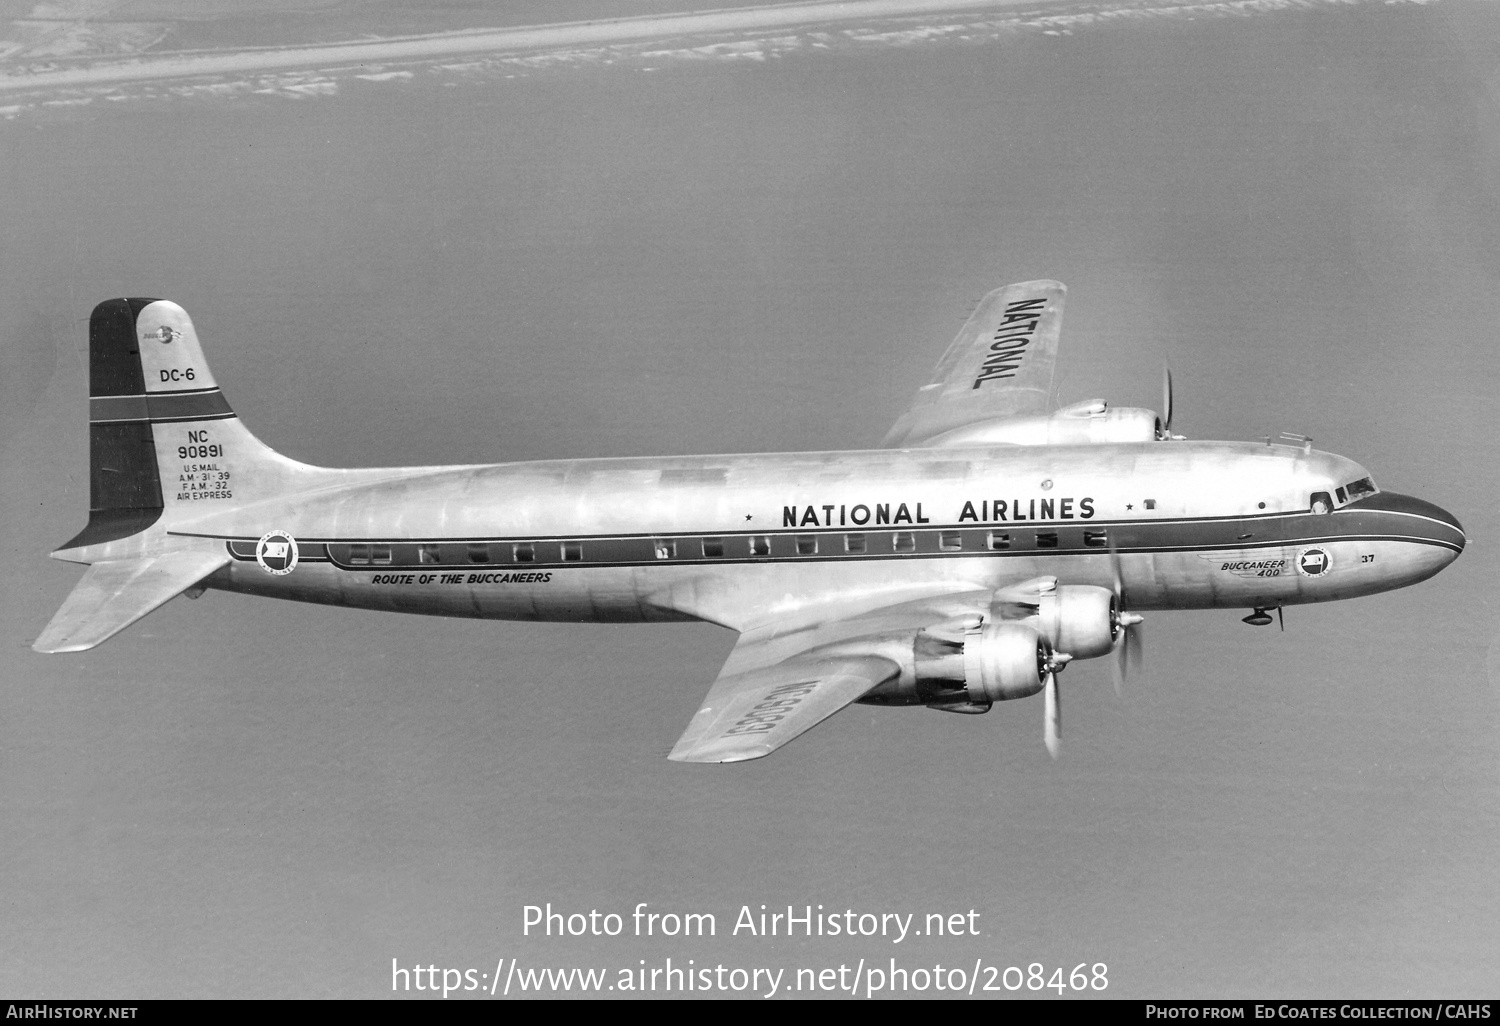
(1359, 489)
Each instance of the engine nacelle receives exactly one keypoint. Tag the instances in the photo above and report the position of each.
(1078, 620)
(1003, 661)
(1087, 423)
(966, 670)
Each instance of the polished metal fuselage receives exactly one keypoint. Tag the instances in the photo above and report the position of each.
(739, 540)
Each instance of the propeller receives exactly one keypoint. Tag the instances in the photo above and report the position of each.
(1164, 432)
(1052, 725)
(1052, 714)
(1129, 639)
(1166, 401)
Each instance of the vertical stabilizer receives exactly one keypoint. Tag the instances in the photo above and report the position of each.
(164, 443)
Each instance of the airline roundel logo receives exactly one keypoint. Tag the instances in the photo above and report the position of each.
(164, 334)
(277, 553)
(1313, 563)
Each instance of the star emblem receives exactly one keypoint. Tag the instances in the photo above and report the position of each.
(1130, 505)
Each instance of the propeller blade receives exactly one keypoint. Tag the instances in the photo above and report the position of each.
(1279, 619)
(1052, 727)
(1137, 650)
(1166, 399)
(1122, 639)
(1128, 649)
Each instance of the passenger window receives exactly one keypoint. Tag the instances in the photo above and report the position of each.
(522, 552)
(429, 554)
(572, 552)
(950, 540)
(807, 545)
(479, 553)
(1096, 539)
(1321, 503)
(359, 553)
(713, 548)
(904, 541)
(1046, 539)
(760, 545)
(666, 548)
(997, 540)
(380, 554)
(854, 543)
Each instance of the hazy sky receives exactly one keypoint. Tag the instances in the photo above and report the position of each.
(657, 254)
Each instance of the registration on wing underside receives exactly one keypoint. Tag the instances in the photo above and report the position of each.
(749, 715)
(1000, 365)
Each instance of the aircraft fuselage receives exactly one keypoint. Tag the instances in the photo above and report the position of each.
(1196, 525)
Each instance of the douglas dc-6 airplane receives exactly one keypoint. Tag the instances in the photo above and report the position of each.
(992, 540)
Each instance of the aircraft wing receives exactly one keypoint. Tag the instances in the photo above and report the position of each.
(114, 594)
(750, 715)
(1000, 365)
(790, 673)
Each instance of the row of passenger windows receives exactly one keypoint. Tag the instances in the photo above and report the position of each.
(485, 553)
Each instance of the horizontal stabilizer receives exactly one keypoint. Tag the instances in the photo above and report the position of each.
(116, 593)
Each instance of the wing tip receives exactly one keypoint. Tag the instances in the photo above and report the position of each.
(49, 647)
(1038, 285)
(711, 753)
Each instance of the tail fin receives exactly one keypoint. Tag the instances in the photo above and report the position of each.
(163, 440)
(164, 446)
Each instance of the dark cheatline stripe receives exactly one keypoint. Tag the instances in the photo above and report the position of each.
(992, 541)
(1389, 507)
(114, 408)
(190, 406)
(306, 553)
(168, 406)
